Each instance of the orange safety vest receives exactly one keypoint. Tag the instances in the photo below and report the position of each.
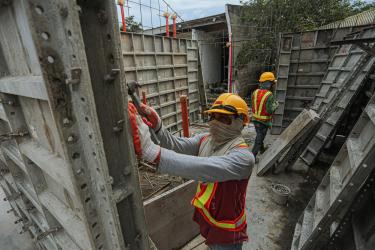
(207, 191)
(259, 100)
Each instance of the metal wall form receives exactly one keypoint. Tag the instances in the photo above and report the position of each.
(67, 164)
(344, 80)
(166, 68)
(323, 219)
(302, 62)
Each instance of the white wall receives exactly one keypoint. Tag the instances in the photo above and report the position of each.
(210, 56)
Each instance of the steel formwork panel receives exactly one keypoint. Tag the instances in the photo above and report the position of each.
(347, 175)
(166, 68)
(309, 59)
(62, 161)
(343, 81)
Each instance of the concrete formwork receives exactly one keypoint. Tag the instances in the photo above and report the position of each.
(303, 59)
(166, 68)
(344, 80)
(67, 164)
(348, 177)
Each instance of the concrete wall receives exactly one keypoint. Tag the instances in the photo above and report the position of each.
(210, 56)
(245, 76)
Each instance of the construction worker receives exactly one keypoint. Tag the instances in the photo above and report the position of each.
(220, 160)
(263, 106)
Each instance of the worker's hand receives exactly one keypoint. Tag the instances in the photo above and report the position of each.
(144, 147)
(153, 119)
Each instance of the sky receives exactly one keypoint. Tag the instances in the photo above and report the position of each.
(187, 9)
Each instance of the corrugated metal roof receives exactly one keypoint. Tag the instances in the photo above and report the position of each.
(364, 18)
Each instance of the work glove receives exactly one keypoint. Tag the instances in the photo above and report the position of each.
(144, 147)
(153, 119)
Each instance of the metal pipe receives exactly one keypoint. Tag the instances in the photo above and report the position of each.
(121, 3)
(174, 16)
(185, 115)
(166, 15)
(230, 66)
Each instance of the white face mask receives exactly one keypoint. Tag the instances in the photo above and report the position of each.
(222, 133)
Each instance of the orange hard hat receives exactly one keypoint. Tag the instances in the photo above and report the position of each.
(230, 104)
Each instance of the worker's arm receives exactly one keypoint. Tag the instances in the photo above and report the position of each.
(188, 146)
(183, 145)
(236, 165)
(271, 104)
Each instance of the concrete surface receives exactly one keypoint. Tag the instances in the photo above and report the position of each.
(10, 239)
(271, 226)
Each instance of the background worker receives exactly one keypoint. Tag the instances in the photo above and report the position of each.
(220, 160)
(263, 106)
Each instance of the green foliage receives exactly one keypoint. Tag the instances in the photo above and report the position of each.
(132, 25)
(274, 16)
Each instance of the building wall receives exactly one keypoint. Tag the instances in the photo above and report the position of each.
(210, 56)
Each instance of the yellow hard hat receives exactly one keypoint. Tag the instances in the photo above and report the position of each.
(267, 76)
(230, 104)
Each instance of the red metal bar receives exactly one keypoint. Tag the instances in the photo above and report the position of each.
(122, 15)
(166, 15)
(144, 100)
(230, 90)
(185, 115)
(174, 26)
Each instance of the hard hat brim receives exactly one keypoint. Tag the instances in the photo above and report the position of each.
(221, 111)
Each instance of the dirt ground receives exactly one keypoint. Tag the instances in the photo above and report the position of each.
(270, 225)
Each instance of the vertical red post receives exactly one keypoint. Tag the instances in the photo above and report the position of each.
(121, 3)
(166, 15)
(230, 66)
(144, 100)
(185, 115)
(174, 16)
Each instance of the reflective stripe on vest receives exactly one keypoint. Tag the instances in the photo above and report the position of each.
(258, 110)
(202, 202)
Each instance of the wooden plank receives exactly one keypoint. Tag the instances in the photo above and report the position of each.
(300, 126)
(169, 217)
(29, 86)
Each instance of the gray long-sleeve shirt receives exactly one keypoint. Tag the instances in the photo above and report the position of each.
(179, 156)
